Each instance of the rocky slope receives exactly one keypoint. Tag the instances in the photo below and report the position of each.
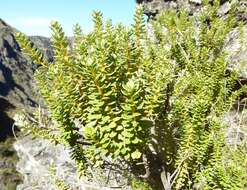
(17, 86)
(37, 156)
(17, 92)
(16, 71)
(36, 160)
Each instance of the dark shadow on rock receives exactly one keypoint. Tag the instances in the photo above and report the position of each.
(6, 122)
(10, 84)
(10, 50)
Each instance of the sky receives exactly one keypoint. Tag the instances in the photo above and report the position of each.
(33, 17)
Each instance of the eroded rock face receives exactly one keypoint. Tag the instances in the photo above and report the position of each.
(38, 155)
(36, 158)
(236, 47)
(17, 92)
(16, 72)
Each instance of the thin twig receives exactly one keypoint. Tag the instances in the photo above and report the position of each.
(167, 179)
(83, 143)
(13, 131)
(146, 166)
(108, 176)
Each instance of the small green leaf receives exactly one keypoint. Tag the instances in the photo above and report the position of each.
(117, 153)
(104, 140)
(127, 134)
(105, 146)
(127, 156)
(127, 141)
(136, 114)
(105, 119)
(119, 128)
(123, 151)
(134, 123)
(127, 117)
(89, 132)
(120, 137)
(91, 124)
(98, 163)
(116, 119)
(112, 125)
(94, 117)
(136, 141)
(136, 155)
(113, 134)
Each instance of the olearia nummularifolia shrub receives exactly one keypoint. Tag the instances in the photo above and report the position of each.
(153, 101)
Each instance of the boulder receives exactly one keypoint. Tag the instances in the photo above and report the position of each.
(37, 156)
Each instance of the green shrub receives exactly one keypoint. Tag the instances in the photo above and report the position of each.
(155, 102)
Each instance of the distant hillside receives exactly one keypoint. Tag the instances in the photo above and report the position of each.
(17, 91)
(16, 71)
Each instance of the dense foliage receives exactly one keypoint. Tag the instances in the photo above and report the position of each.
(153, 99)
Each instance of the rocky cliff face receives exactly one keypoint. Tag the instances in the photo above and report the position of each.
(17, 87)
(17, 92)
(16, 84)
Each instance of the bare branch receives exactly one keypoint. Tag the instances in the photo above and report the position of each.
(146, 166)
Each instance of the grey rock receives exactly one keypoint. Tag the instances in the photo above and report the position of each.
(153, 7)
(199, 2)
(38, 155)
(224, 9)
(16, 92)
(236, 133)
(16, 72)
(36, 158)
(236, 47)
